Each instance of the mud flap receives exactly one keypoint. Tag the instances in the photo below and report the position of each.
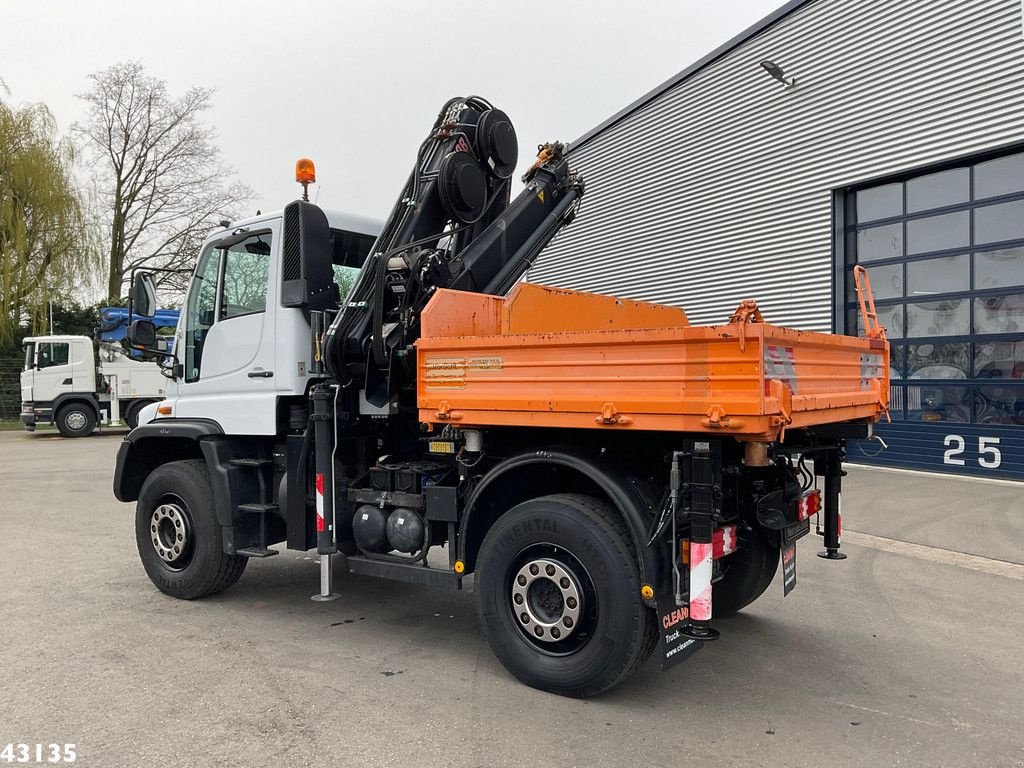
(788, 568)
(675, 646)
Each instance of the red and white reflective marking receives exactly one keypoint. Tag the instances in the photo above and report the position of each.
(808, 505)
(724, 541)
(839, 518)
(319, 502)
(700, 581)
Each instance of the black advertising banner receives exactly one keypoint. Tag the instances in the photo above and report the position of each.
(675, 647)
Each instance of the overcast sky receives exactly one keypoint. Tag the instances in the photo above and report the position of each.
(356, 85)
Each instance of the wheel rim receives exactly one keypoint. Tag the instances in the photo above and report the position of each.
(75, 421)
(170, 532)
(552, 599)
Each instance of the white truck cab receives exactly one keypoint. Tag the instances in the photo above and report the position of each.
(73, 383)
(238, 348)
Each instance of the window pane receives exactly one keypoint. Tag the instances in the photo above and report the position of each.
(891, 319)
(999, 314)
(884, 242)
(938, 403)
(939, 233)
(999, 359)
(880, 202)
(1002, 176)
(939, 189)
(202, 297)
(939, 318)
(944, 275)
(245, 277)
(51, 354)
(995, 223)
(999, 269)
(886, 282)
(938, 361)
(896, 361)
(999, 405)
(345, 279)
(60, 354)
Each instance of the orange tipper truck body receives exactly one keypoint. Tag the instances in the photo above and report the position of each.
(548, 357)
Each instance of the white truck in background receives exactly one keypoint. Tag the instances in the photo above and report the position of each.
(76, 383)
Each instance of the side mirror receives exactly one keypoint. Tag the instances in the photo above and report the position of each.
(141, 333)
(307, 277)
(143, 296)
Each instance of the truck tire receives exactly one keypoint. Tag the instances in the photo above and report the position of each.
(558, 595)
(748, 573)
(177, 534)
(131, 413)
(76, 419)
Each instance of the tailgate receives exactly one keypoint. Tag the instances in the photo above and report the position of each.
(824, 378)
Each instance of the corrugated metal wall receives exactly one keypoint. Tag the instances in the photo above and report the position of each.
(721, 188)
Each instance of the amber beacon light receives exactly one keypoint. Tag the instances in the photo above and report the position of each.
(305, 174)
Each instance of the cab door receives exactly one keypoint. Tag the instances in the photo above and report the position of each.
(228, 336)
(54, 374)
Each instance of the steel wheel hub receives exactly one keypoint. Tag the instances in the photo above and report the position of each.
(168, 528)
(75, 420)
(546, 600)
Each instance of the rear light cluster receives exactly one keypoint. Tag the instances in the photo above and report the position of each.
(808, 505)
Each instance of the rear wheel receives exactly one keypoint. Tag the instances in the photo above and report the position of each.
(177, 534)
(749, 572)
(76, 420)
(558, 592)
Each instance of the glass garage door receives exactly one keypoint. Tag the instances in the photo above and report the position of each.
(945, 254)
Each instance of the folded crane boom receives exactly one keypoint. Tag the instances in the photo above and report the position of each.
(453, 226)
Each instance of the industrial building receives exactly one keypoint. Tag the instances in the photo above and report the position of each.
(888, 133)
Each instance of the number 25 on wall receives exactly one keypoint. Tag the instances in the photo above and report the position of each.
(989, 455)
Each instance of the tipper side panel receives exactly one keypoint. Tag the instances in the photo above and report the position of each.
(747, 380)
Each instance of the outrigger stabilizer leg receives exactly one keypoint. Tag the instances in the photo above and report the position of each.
(831, 467)
(326, 547)
(700, 489)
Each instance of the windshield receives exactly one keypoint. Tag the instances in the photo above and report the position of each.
(30, 354)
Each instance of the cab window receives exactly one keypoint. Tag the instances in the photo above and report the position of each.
(350, 250)
(199, 311)
(246, 270)
(53, 353)
(30, 355)
(230, 281)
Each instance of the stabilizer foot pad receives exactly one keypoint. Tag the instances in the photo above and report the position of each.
(831, 554)
(695, 632)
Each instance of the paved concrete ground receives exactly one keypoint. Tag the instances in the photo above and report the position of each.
(884, 659)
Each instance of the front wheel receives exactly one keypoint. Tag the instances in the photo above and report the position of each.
(177, 534)
(76, 420)
(558, 593)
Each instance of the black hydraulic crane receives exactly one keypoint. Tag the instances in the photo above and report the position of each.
(453, 226)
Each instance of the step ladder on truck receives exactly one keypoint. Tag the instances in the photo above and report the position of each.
(610, 476)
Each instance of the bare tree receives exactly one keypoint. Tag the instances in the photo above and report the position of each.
(159, 177)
